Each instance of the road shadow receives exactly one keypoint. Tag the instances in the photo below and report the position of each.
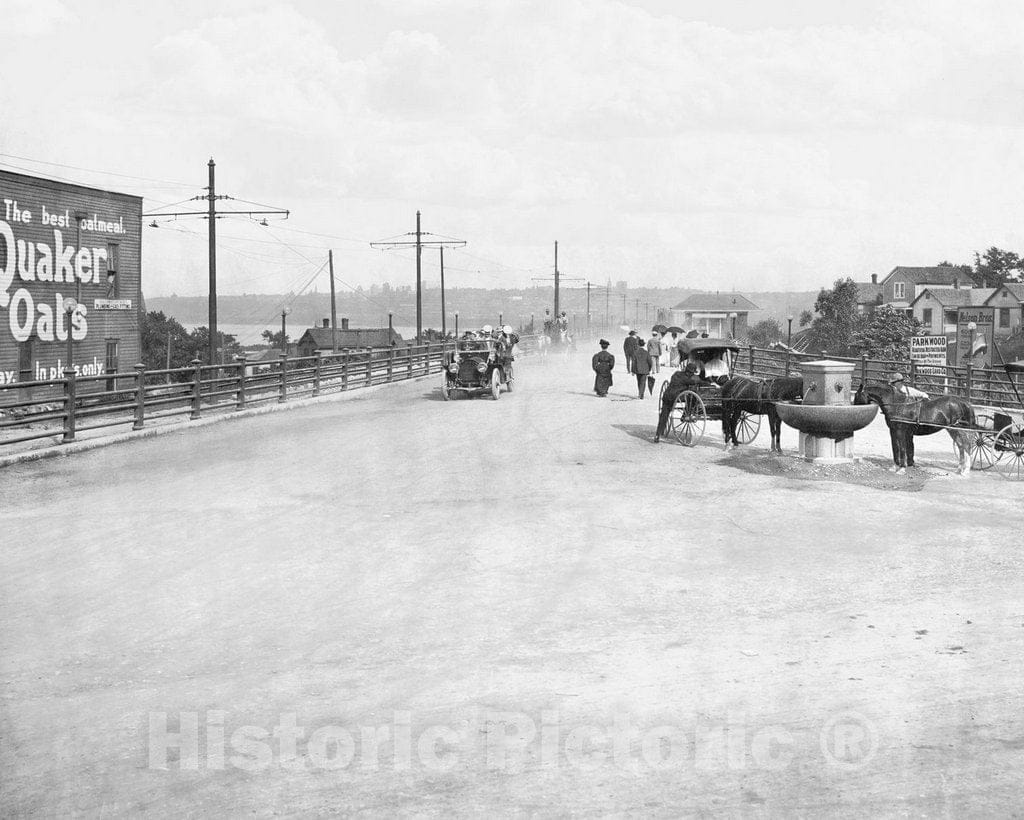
(645, 432)
(867, 472)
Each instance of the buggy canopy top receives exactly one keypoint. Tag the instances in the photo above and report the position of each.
(707, 346)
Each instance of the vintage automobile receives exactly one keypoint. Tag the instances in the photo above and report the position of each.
(475, 367)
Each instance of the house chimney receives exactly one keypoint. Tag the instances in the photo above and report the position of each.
(344, 324)
(327, 323)
(874, 279)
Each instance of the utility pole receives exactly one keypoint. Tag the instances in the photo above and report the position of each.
(444, 329)
(625, 318)
(556, 278)
(334, 305)
(419, 244)
(588, 307)
(212, 214)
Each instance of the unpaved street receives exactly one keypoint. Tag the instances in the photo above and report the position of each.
(389, 603)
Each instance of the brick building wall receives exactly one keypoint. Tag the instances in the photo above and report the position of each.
(59, 240)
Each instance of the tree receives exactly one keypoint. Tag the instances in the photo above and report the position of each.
(996, 267)
(157, 332)
(806, 317)
(886, 334)
(832, 329)
(227, 344)
(273, 338)
(764, 333)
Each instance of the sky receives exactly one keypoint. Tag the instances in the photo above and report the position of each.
(755, 146)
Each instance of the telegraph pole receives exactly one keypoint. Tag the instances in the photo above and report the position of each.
(419, 244)
(588, 307)
(444, 329)
(556, 278)
(212, 214)
(334, 306)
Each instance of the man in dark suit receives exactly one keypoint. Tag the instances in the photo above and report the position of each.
(641, 366)
(629, 348)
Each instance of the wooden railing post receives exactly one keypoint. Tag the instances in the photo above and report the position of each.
(344, 370)
(391, 364)
(970, 378)
(70, 389)
(863, 369)
(369, 366)
(140, 396)
(789, 356)
(913, 373)
(317, 364)
(197, 387)
(409, 350)
(284, 379)
(240, 390)
(751, 350)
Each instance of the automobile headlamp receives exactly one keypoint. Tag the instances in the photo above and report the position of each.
(481, 367)
(453, 367)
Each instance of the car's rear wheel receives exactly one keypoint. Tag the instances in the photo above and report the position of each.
(495, 383)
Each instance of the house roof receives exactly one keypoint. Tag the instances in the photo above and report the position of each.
(956, 297)
(1015, 288)
(322, 337)
(869, 293)
(937, 275)
(721, 302)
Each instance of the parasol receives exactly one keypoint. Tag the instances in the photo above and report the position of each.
(674, 329)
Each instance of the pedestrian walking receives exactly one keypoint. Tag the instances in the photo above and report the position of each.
(673, 350)
(654, 348)
(603, 364)
(641, 367)
(629, 348)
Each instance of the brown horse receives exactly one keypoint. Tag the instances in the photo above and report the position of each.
(757, 397)
(921, 417)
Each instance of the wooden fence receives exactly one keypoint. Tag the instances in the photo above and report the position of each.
(75, 404)
(986, 388)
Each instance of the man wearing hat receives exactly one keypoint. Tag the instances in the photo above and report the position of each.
(681, 380)
(603, 363)
(629, 348)
(903, 391)
(642, 367)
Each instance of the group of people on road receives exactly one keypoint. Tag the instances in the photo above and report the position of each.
(644, 360)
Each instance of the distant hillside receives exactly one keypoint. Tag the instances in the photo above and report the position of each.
(476, 306)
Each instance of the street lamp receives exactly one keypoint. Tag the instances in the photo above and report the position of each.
(456, 324)
(70, 306)
(732, 318)
(789, 333)
(284, 338)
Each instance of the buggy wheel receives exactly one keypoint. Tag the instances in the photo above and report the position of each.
(661, 395)
(1009, 448)
(982, 442)
(688, 418)
(747, 427)
(495, 383)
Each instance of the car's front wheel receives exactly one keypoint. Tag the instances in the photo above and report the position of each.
(495, 383)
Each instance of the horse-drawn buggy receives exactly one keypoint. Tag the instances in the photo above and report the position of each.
(479, 364)
(694, 395)
(996, 440)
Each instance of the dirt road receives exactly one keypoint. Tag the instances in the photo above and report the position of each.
(390, 603)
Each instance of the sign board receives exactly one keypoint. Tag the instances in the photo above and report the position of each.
(928, 350)
(112, 304)
(929, 354)
(974, 326)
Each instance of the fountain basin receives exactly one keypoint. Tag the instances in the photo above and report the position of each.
(833, 421)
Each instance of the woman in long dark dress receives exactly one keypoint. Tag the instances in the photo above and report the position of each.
(603, 363)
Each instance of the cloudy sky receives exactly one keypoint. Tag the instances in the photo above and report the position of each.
(771, 144)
